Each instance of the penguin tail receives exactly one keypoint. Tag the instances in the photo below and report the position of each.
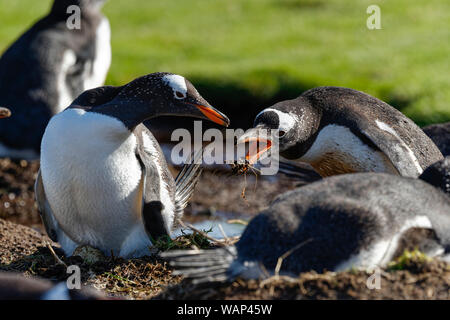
(302, 172)
(186, 181)
(202, 266)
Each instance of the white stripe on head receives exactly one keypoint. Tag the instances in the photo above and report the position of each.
(177, 83)
(286, 120)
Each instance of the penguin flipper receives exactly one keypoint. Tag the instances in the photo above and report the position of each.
(186, 181)
(154, 223)
(152, 216)
(202, 266)
(50, 223)
(391, 144)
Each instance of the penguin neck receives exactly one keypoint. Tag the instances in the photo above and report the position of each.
(309, 123)
(131, 112)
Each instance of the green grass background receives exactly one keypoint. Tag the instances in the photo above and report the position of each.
(241, 52)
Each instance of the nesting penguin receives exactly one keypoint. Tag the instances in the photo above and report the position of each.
(44, 70)
(340, 130)
(104, 181)
(361, 220)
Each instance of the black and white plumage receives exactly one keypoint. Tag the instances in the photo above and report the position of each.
(360, 220)
(104, 181)
(44, 70)
(440, 134)
(340, 130)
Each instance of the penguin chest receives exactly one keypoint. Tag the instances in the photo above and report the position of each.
(91, 177)
(337, 150)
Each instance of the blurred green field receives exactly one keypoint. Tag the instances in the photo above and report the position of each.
(241, 52)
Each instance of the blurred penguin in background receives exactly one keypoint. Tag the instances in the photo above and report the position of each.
(41, 73)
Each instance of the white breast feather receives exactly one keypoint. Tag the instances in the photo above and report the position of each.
(339, 139)
(90, 175)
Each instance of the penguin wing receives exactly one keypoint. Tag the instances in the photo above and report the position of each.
(392, 145)
(186, 181)
(50, 223)
(149, 189)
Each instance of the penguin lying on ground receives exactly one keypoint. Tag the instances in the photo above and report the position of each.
(360, 220)
(339, 130)
(104, 181)
(440, 134)
(47, 68)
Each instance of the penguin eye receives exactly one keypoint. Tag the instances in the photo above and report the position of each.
(179, 95)
(281, 133)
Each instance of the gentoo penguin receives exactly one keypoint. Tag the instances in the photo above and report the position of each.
(339, 130)
(360, 220)
(440, 134)
(14, 286)
(103, 180)
(43, 71)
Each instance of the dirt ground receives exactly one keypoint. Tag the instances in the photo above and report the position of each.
(419, 280)
(23, 249)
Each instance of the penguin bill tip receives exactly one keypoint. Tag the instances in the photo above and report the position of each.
(214, 115)
(257, 147)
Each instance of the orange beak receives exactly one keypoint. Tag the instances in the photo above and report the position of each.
(214, 115)
(257, 147)
(4, 113)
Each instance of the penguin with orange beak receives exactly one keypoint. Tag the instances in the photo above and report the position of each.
(340, 130)
(104, 181)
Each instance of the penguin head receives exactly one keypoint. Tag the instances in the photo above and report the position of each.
(438, 175)
(157, 94)
(289, 122)
(4, 112)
